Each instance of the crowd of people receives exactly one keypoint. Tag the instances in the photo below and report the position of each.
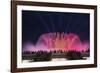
(47, 55)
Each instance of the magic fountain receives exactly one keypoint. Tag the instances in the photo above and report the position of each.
(57, 41)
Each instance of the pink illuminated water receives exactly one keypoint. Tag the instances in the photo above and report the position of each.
(57, 41)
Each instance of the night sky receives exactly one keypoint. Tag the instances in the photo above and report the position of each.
(36, 23)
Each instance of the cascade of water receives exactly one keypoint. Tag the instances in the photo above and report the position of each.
(58, 41)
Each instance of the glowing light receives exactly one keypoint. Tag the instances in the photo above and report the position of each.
(58, 41)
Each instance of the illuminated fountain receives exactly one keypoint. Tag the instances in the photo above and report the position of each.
(58, 41)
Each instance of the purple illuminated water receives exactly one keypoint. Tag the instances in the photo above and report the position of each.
(57, 41)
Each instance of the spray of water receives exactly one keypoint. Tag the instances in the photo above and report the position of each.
(58, 41)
